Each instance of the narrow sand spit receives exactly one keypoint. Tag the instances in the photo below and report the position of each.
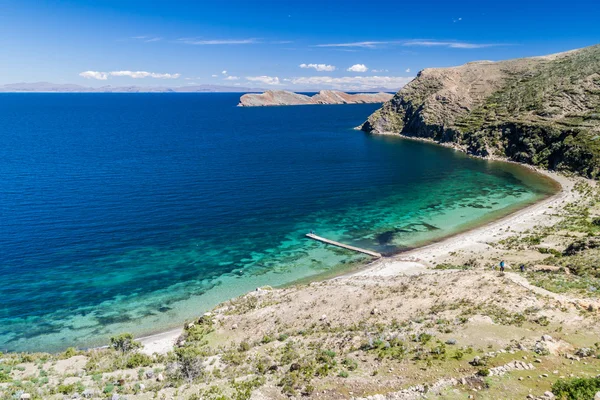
(420, 260)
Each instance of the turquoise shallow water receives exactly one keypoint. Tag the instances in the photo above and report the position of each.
(126, 212)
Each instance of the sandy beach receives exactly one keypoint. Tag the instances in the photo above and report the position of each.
(421, 259)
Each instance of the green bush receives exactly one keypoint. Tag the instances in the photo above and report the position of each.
(190, 363)
(66, 389)
(244, 346)
(283, 337)
(4, 377)
(137, 360)
(577, 388)
(124, 343)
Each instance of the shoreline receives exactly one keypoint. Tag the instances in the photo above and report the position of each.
(478, 238)
(419, 260)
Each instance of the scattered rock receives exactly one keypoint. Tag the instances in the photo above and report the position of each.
(189, 325)
(149, 374)
(25, 396)
(160, 378)
(88, 393)
(477, 361)
(451, 341)
(547, 338)
(234, 326)
(323, 317)
(584, 352)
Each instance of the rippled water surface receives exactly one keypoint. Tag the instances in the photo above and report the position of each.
(133, 212)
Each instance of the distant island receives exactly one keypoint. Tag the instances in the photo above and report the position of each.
(286, 98)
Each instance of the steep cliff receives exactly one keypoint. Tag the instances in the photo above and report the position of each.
(285, 98)
(543, 111)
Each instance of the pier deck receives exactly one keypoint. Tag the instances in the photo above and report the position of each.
(342, 245)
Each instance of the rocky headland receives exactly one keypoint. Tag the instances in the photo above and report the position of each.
(286, 98)
(543, 111)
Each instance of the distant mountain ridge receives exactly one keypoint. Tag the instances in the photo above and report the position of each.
(287, 98)
(543, 111)
(47, 87)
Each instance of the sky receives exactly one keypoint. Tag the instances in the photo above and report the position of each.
(293, 44)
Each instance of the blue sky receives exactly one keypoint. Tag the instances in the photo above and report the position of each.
(293, 44)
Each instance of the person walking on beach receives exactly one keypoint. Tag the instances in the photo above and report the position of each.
(502, 266)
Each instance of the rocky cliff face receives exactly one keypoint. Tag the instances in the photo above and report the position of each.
(543, 111)
(285, 98)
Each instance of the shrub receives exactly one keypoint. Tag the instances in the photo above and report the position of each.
(266, 339)
(244, 346)
(577, 388)
(137, 360)
(190, 365)
(124, 343)
(350, 364)
(424, 338)
(109, 388)
(283, 337)
(66, 389)
(343, 374)
(483, 372)
(4, 377)
(70, 352)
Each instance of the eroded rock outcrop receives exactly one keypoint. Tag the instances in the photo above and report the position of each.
(286, 98)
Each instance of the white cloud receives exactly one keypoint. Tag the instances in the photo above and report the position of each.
(358, 68)
(214, 76)
(144, 74)
(353, 82)
(203, 42)
(132, 74)
(102, 76)
(147, 39)
(414, 42)
(369, 45)
(232, 78)
(224, 72)
(379, 70)
(450, 44)
(407, 69)
(319, 67)
(267, 80)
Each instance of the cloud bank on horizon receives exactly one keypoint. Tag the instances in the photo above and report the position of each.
(296, 44)
(102, 76)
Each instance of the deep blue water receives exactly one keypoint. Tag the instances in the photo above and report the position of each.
(133, 212)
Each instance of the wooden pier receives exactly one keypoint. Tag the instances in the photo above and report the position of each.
(342, 245)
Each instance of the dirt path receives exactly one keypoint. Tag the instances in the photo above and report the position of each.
(562, 299)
